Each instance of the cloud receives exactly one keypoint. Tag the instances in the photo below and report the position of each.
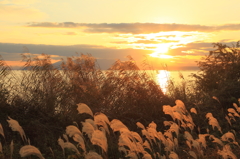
(192, 49)
(159, 41)
(70, 33)
(150, 47)
(166, 36)
(58, 33)
(167, 41)
(120, 42)
(196, 48)
(136, 28)
(145, 42)
(186, 35)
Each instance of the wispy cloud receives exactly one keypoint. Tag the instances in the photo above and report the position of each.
(58, 33)
(158, 41)
(70, 33)
(136, 28)
(166, 36)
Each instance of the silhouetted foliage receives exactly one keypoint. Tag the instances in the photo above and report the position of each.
(220, 73)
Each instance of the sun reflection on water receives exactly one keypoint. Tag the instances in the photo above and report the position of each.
(162, 78)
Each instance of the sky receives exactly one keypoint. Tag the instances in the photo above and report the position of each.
(171, 34)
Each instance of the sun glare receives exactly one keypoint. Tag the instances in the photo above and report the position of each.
(160, 51)
(165, 56)
(162, 48)
(160, 55)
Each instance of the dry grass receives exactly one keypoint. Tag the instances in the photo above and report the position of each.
(177, 140)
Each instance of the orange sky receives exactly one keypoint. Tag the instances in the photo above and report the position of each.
(172, 33)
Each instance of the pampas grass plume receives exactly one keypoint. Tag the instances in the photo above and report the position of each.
(227, 153)
(28, 150)
(92, 122)
(193, 154)
(72, 130)
(117, 125)
(228, 136)
(14, 125)
(99, 138)
(67, 145)
(88, 129)
(173, 155)
(79, 139)
(216, 140)
(11, 148)
(1, 147)
(213, 121)
(93, 155)
(83, 108)
(1, 130)
(193, 110)
(101, 119)
(140, 125)
(146, 155)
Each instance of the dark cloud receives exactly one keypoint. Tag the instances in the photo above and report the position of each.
(10, 56)
(196, 48)
(135, 28)
(106, 56)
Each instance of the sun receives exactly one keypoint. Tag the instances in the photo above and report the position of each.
(162, 48)
(160, 51)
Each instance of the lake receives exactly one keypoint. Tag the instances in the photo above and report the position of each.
(161, 77)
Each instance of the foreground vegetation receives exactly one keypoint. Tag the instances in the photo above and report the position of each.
(133, 117)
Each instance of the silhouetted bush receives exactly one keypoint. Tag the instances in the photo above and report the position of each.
(219, 74)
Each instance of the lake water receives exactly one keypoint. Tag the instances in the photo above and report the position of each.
(161, 77)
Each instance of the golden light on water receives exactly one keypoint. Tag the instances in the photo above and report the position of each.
(162, 78)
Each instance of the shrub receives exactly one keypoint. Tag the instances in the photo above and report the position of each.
(219, 74)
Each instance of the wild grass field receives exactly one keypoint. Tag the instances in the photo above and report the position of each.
(80, 111)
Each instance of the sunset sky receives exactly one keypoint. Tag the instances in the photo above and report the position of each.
(175, 33)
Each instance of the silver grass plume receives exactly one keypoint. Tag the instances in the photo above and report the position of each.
(28, 150)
